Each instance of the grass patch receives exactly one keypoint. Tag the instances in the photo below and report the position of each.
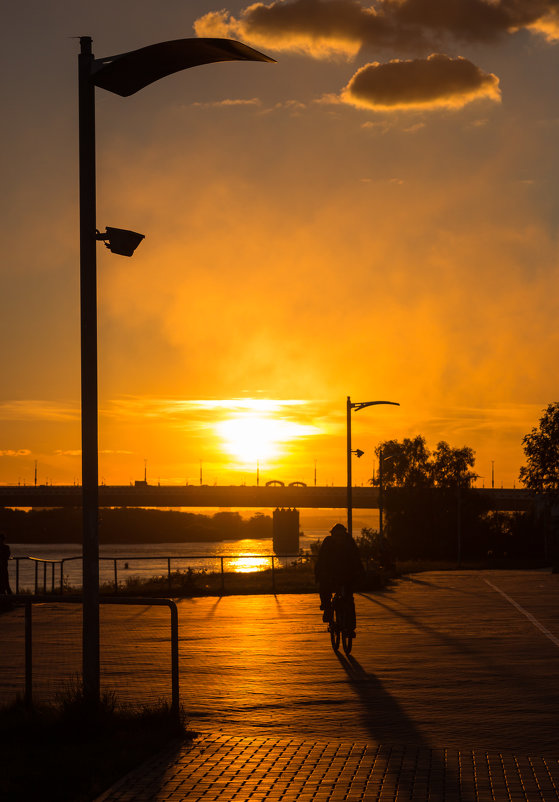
(295, 578)
(69, 752)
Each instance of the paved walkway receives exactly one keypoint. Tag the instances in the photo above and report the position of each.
(453, 695)
(453, 683)
(228, 768)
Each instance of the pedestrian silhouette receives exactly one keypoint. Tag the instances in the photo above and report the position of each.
(5, 553)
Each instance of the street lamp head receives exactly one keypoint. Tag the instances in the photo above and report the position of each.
(127, 73)
(358, 453)
(121, 240)
(357, 405)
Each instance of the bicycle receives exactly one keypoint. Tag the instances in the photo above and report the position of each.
(340, 624)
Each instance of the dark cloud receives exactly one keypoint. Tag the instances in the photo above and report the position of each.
(326, 27)
(476, 20)
(438, 81)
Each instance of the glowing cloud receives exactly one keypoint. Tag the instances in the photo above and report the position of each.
(37, 410)
(436, 82)
(548, 26)
(10, 452)
(327, 28)
(317, 28)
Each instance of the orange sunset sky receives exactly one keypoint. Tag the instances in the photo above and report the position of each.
(374, 215)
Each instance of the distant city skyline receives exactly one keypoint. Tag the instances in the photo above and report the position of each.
(374, 215)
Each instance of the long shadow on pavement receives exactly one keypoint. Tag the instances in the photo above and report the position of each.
(411, 759)
(508, 670)
(384, 717)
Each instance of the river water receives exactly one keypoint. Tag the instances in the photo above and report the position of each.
(152, 559)
(144, 559)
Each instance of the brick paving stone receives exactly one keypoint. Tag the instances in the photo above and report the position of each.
(232, 768)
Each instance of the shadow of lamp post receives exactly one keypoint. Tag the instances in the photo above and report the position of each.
(356, 405)
(123, 74)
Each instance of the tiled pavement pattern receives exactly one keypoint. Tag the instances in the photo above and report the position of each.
(248, 769)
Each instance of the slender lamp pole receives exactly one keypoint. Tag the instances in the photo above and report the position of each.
(88, 308)
(380, 496)
(124, 75)
(356, 405)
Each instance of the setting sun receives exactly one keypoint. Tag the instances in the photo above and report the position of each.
(254, 437)
(261, 429)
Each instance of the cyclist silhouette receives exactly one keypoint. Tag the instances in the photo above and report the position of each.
(338, 565)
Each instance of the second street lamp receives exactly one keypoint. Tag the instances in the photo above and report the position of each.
(123, 74)
(356, 405)
(381, 460)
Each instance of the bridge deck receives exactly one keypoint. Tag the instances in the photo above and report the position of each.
(229, 496)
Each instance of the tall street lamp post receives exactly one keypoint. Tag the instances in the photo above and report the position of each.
(123, 74)
(356, 405)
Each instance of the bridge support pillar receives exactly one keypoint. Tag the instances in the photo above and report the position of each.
(286, 531)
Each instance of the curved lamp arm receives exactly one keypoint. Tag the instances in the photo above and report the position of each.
(127, 73)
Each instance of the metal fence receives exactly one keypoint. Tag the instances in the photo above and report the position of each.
(49, 574)
(11, 660)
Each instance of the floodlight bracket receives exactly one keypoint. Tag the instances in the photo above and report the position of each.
(120, 240)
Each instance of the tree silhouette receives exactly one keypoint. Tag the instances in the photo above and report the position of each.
(427, 495)
(411, 464)
(541, 447)
(404, 464)
(449, 466)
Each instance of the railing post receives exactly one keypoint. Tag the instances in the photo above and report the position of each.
(17, 574)
(169, 573)
(52, 577)
(28, 654)
(36, 578)
(273, 576)
(175, 702)
(116, 575)
(222, 577)
(62, 576)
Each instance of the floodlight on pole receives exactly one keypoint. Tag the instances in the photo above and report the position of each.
(120, 240)
(123, 74)
(355, 405)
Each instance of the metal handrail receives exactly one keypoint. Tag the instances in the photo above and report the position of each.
(28, 601)
(126, 558)
(37, 561)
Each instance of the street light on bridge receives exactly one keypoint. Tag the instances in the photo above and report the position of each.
(123, 74)
(356, 405)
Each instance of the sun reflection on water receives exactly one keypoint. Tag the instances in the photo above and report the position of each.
(247, 565)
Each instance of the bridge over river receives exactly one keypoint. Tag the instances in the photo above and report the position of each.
(234, 496)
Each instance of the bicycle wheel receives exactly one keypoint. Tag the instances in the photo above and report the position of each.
(347, 642)
(335, 626)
